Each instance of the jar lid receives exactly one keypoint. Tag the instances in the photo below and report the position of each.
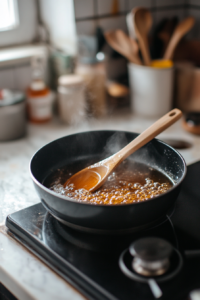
(70, 80)
(8, 97)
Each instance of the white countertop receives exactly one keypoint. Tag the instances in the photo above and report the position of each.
(20, 271)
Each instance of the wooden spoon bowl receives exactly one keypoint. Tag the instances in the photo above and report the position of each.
(126, 46)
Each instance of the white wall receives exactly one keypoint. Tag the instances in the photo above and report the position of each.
(58, 16)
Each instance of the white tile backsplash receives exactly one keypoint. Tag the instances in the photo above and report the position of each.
(134, 3)
(84, 8)
(7, 78)
(22, 77)
(17, 77)
(162, 3)
(106, 6)
(118, 22)
(86, 27)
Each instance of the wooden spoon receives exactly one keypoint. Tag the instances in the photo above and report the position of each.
(126, 46)
(92, 177)
(142, 24)
(181, 29)
(166, 32)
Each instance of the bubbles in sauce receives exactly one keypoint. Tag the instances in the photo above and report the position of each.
(131, 182)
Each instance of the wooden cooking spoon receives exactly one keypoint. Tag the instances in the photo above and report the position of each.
(166, 32)
(92, 177)
(126, 46)
(142, 24)
(181, 29)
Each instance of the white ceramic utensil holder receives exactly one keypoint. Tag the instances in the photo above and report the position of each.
(151, 90)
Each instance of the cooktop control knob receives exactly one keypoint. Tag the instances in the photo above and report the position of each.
(151, 256)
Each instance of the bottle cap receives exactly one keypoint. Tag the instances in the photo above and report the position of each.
(38, 85)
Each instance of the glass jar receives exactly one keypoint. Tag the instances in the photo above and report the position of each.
(71, 99)
(94, 76)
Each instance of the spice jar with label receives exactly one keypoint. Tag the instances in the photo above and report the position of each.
(39, 96)
(71, 99)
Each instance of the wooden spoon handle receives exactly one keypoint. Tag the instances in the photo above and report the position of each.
(146, 136)
(145, 50)
(134, 46)
(181, 29)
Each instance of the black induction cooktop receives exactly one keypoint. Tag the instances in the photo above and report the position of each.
(92, 263)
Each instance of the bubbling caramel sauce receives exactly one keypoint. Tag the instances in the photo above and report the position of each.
(131, 182)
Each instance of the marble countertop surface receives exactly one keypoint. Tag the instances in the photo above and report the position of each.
(20, 271)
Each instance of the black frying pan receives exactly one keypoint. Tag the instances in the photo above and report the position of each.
(85, 148)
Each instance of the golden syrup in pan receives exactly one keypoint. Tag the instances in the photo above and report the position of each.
(131, 182)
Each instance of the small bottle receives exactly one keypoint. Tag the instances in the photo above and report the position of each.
(39, 96)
